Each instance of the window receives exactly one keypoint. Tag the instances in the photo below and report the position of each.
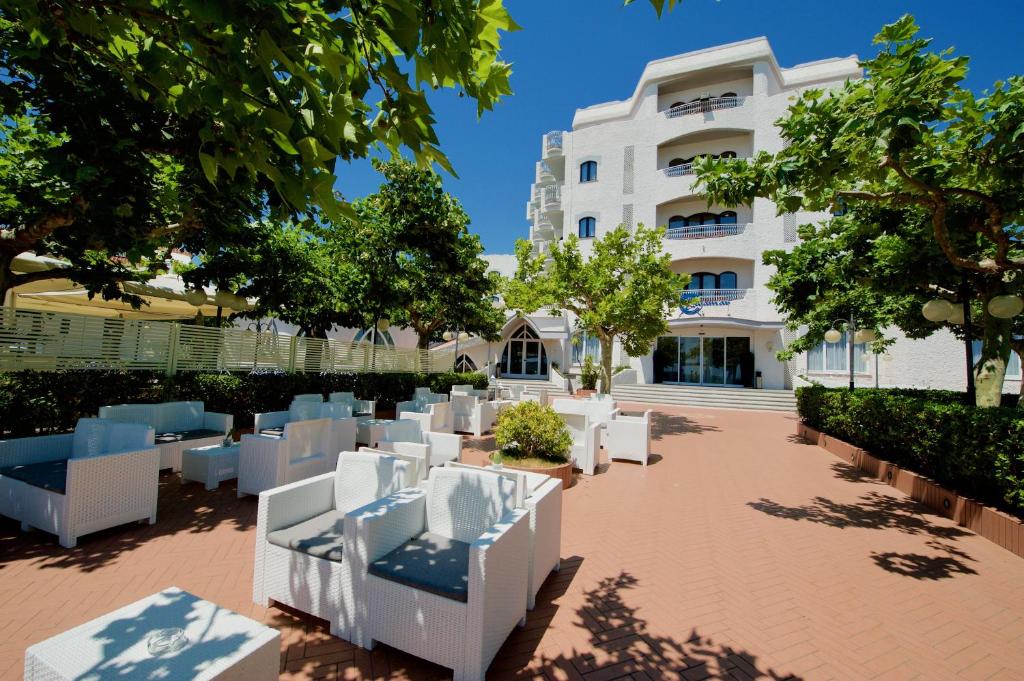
(465, 364)
(379, 337)
(728, 94)
(588, 228)
(676, 162)
(588, 171)
(832, 357)
(727, 280)
(584, 345)
(676, 221)
(675, 104)
(727, 154)
(708, 281)
(1013, 368)
(727, 218)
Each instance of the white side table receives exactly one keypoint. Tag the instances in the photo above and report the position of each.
(211, 464)
(371, 430)
(221, 644)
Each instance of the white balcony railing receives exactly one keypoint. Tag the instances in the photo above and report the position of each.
(553, 143)
(703, 105)
(740, 303)
(551, 198)
(679, 170)
(544, 173)
(705, 231)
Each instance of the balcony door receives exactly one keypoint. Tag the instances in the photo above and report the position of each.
(524, 355)
(703, 360)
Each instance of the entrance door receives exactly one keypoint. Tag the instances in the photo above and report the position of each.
(689, 360)
(524, 355)
(702, 360)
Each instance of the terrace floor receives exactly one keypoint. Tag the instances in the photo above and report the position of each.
(739, 552)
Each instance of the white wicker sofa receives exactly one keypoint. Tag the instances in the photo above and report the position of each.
(178, 426)
(408, 437)
(300, 560)
(103, 475)
(472, 415)
(344, 426)
(541, 495)
(304, 449)
(364, 408)
(444, 569)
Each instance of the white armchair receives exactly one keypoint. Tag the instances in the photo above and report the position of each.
(178, 426)
(304, 449)
(344, 427)
(300, 560)
(541, 495)
(417, 470)
(444, 569)
(103, 475)
(308, 397)
(468, 390)
(471, 415)
(407, 437)
(541, 396)
(586, 440)
(358, 407)
(435, 416)
(629, 437)
(425, 396)
(599, 411)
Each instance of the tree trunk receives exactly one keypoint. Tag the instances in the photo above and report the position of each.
(606, 362)
(990, 368)
(423, 342)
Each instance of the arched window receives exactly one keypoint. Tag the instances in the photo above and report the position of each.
(524, 331)
(524, 355)
(588, 228)
(676, 221)
(588, 171)
(728, 94)
(702, 280)
(727, 218)
(702, 219)
(379, 337)
(727, 280)
(465, 364)
(727, 154)
(675, 104)
(676, 162)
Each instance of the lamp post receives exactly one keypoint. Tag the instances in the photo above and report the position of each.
(856, 335)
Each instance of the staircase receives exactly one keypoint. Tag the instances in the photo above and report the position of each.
(532, 387)
(703, 396)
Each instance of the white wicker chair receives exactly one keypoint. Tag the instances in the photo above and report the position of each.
(178, 426)
(586, 440)
(468, 390)
(268, 461)
(541, 495)
(308, 397)
(472, 415)
(540, 396)
(300, 560)
(444, 569)
(599, 411)
(435, 417)
(629, 437)
(418, 471)
(344, 427)
(103, 475)
(367, 408)
(407, 437)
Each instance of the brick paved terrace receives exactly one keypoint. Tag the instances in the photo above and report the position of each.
(739, 553)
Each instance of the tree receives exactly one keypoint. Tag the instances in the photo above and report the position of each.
(907, 139)
(258, 99)
(622, 290)
(419, 265)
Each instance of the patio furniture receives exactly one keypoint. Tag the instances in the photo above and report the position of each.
(219, 644)
(629, 437)
(418, 472)
(345, 428)
(433, 416)
(471, 415)
(301, 558)
(468, 390)
(541, 495)
(599, 411)
(308, 397)
(586, 440)
(103, 475)
(541, 396)
(178, 426)
(370, 431)
(444, 568)
(211, 465)
(426, 396)
(358, 407)
(304, 449)
(408, 437)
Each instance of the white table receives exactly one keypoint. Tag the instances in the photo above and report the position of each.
(211, 464)
(371, 430)
(221, 645)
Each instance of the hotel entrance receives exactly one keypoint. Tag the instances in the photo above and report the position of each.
(704, 360)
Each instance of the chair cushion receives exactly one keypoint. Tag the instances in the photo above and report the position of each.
(320, 536)
(49, 475)
(430, 562)
(164, 438)
(275, 432)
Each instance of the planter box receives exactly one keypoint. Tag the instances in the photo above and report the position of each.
(1000, 528)
(563, 472)
(580, 392)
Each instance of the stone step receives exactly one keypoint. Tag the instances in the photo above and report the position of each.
(722, 398)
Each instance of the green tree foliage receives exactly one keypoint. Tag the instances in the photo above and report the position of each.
(933, 180)
(621, 290)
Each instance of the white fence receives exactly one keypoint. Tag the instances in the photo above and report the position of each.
(46, 341)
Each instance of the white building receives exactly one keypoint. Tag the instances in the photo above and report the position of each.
(629, 162)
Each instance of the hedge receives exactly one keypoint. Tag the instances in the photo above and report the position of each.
(977, 452)
(34, 402)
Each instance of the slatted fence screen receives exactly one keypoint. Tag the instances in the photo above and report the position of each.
(48, 341)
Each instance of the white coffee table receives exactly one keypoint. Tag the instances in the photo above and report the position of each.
(370, 431)
(221, 644)
(210, 465)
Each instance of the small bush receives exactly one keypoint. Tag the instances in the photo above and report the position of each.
(532, 431)
(978, 452)
(589, 374)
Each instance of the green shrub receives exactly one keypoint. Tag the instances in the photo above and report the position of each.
(34, 402)
(978, 452)
(589, 374)
(532, 431)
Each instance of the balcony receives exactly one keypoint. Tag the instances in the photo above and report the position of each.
(545, 175)
(543, 230)
(705, 231)
(720, 302)
(551, 199)
(703, 106)
(553, 144)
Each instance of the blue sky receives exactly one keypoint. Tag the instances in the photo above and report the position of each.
(574, 53)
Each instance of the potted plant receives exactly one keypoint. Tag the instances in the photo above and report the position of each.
(532, 437)
(588, 377)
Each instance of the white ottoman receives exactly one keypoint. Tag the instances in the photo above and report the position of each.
(221, 644)
(210, 465)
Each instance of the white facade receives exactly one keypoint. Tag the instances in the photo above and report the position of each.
(627, 162)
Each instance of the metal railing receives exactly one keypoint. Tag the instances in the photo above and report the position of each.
(679, 170)
(553, 142)
(48, 341)
(703, 105)
(545, 175)
(713, 296)
(551, 199)
(705, 231)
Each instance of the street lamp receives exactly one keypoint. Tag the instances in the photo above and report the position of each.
(857, 335)
(959, 314)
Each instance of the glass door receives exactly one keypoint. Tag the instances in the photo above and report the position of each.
(713, 361)
(531, 358)
(689, 359)
(515, 358)
(703, 360)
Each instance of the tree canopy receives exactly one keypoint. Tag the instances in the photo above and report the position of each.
(621, 290)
